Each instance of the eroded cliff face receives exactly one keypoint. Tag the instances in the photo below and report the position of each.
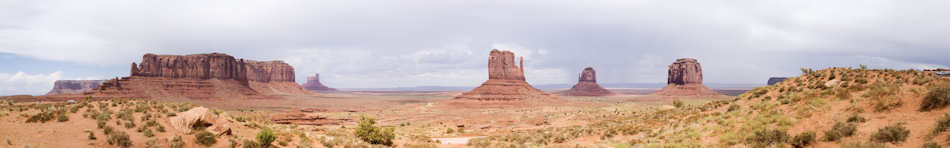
(685, 78)
(202, 76)
(506, 81)
(73, 86)
(587, 85)
(313, 83)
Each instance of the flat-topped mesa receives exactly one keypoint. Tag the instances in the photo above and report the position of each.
(587, 85)
(685, 71)
(685, 78)
(313, 83)
(73, 86)
(506, 81)
(201, 76)
(196, 66)
(501, 66)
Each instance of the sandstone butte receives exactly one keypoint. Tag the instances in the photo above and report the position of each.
(313, 83)
(506, 81)
(73, 86)
(685, 78)
(587, 85)
(202, 76)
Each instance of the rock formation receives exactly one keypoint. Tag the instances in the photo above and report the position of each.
(506, 81)
(587, 85)
(202, 76)
(313, 83)
(685, 78)
(73, 86)
(774, 80)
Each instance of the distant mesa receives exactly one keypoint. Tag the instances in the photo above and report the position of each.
(313, 83)
(506, 81)
(774, 80)
(202, 76)
(685, 78)
(587, 85)
(73, 86)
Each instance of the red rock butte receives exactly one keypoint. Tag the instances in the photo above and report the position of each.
(73, 86)
(587, 85)
(201, 76)
(506, 81)
(313, 83)
(685, 78)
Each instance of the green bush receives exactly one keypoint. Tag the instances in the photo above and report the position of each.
(937, 98)
(92, 135)
(265, 138)
(205, 138)
(148, 133)
(840, 130)
(366, 131)
(942, 124)
(120, 139)
(893, 134)
(768, 137)
(41, 117)
(859, 144)
(251, 144)
(931, 145)
(856, 119)
(61, 118)
(803, 139)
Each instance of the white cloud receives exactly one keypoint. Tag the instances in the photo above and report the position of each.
(33, 84)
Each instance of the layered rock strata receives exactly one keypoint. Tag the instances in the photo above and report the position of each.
(685, 78)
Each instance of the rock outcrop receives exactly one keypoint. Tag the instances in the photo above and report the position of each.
(202, 76)
(587, 85)
(201, 117)
(313, 83)
(506, 81)
(685, 78)
(774, 80)
(73, 86)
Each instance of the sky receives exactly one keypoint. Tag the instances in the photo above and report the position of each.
(406, 43)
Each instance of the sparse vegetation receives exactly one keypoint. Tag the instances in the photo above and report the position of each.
(205, 138)
(678, 103)
(855, 118)
(265, 138)
(803, 139)
(930, 145)
(893, 134)
(370, 133)
(840, 130)
(768, 137)
(938, 97)
(177, 142)
(120, 139)
(860, 144)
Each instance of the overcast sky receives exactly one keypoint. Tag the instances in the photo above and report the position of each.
(405, 43)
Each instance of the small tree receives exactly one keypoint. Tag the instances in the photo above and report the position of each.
(366, 131)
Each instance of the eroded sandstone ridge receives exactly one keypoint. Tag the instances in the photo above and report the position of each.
(587, 85)
(313, 83)
(202, 76)
(685, 78)
(73, 86)
(506, 81)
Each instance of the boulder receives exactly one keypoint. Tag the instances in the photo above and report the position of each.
(73, 86)
(587, 85)
(313, 83)
(200, 117)
(685, 78)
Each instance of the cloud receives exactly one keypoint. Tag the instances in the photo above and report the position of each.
(355, 43)
(24, 83)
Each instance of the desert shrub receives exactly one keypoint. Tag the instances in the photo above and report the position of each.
(768, 137)
(120, 139)
(887, 104)
(160, 128)
(449, 131)
(732, 107)
(92, 135)
(840, 130)
(251, 144)
(41, 117)
(942, 124)
(856, 119)
(893, 134)
(177, 142)
(265, 137)
(148, 133)
(61, 118)
(803, 139)
(937, 98)
(930, 145)
(205, 138)
(100, 123)
(152, 143)
(108, 130)
(859, 144)
(678, 103)
(370, 133)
